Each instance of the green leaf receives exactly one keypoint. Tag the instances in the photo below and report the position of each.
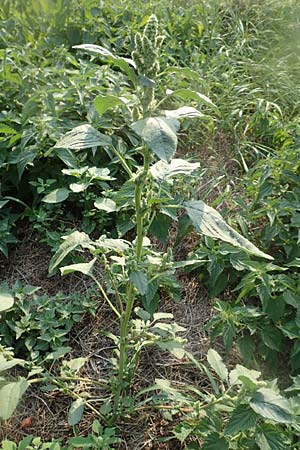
(82, 442)
(159, 134)
(84, 136)
(75, 412)
(215, 442)
(271, 438)
(10, 395)
(103, 103)
(76, 363)
(215, 361)
(8, 445)
(272, 406)
(23, 445)
(5, 365)
(56, 196)
(184, 111)
(163, 170)
(58, 353)
(241, 371)
(105, 204)
(209, 222)
(182, 431)
(74, 240)
(140, 281)
(6, 299)
(174, 347)
(85, 268)
(192, 95)
(242, 418)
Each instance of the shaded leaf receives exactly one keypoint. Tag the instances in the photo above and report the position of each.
(272, 406)
(215, 442)
(140, 281)
(75, 412)
(105, 102)
(270, 438)
(242, 418)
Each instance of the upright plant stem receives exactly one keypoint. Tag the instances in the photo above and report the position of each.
(139, 212)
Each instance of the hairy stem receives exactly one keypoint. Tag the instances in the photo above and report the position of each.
(125, 317)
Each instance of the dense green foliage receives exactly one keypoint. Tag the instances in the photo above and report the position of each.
(94, 106)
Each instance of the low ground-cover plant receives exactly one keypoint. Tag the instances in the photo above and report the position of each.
(37, 326)
(99, 439)
(241, 412)
(262, 309)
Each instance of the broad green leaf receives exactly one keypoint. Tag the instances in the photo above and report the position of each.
(209, 222)
(79, 187)
(106, 204)
(75, 412)
(6, 299)
(24, 444)
(84, 136)
(241, 371)
(159, 134)
(182, 431)
(85, 268)
(184, 111)
(10, 395)
(105, 102)
(270, 405)
(73, 241)
(58, 353)
(76, 363)
(140, 281)
(162, 170)
(162, 316)
(271, 438)
(56, 196)
(5, 365)
(120, 245)
(192, 95)
(174, 347)
(82, 442)
(215, 442)
(8, 445)
(100, 173)
(216, 362)
(242, 418)
(125, 64)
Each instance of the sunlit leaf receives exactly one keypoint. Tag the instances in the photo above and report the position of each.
(159, 134)
(56, 196)
(10, 395)
(209, 222)
(84, 136)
